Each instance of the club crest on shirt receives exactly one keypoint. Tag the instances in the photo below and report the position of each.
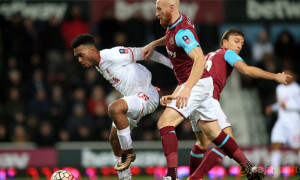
(171, 40)
(186, 39)
(123, 51)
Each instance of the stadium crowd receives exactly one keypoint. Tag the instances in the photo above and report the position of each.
(46, 97)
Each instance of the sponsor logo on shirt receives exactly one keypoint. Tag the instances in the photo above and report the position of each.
(171, 40)
(123, 51)
(186, 39)
(172, 54)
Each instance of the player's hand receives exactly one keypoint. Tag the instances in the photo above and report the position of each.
(147, 51)
(268, 110)
(182, 98)
(166, 100)
(283, 78)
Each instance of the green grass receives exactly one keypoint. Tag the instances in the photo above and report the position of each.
(152, 178)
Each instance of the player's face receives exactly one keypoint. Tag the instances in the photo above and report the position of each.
(163, 13)
(86, 56)
(234, 43)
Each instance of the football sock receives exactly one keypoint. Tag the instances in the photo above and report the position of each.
(196, 157)
(124, 173)
(230, 147)
(170, 148)
(125, 138)
(212, 158)
(275, 163)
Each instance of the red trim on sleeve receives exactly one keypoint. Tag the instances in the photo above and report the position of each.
(99, 58)
(132, 54)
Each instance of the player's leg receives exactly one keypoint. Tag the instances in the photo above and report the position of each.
(203, 142)
(166, 125)
(228, 145)
(211, 158)
(278, 137)
(117, 111)
(115, 144)
(137, 106)
(199, 148)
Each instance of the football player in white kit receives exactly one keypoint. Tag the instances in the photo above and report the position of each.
(287, 127)
(133, 80)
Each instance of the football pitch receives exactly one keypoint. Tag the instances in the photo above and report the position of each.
(297, 177)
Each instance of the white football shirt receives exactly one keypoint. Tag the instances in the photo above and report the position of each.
(290, 95)
(118, 65)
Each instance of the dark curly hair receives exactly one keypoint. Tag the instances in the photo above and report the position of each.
(85, 39)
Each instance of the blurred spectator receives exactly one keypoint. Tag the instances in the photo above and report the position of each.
(14, 79)
(208, 33)
(32, 126)
(261, 47)
(19, 134)
(45, 136)
(59, 108)
(96, 100)
(285, 48)
(37, 82)
(64, 135)
(79, 96)
(3, 133)
(72, 69)
(136, 30)
(40, 105)
(107, 28)
(14, 103)
(76, 24)
(77, 120)
(92, 78)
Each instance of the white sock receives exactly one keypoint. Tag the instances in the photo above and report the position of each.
(125, 138)
(124, 173)
(275, 162)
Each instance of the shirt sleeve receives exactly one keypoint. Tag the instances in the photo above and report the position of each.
(186, 39)
(120, 55)
(231, 57)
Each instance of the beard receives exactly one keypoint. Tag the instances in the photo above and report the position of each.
(166, 21)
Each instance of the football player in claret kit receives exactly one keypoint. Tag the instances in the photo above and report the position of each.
(133, 80)
(194, 93)
(220, 64)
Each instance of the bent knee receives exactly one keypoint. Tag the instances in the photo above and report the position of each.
(114, 108)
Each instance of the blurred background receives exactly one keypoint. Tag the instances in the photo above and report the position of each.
(53, 113)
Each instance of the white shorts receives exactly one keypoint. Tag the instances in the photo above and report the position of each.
(286, 133)
(140, 105)
(222, 118)
(199, 101)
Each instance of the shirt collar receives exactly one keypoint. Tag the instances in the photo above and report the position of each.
(176, 22)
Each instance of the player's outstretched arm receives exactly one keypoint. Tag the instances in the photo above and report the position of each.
(149, 48)
(160, 58)
(255, 72)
